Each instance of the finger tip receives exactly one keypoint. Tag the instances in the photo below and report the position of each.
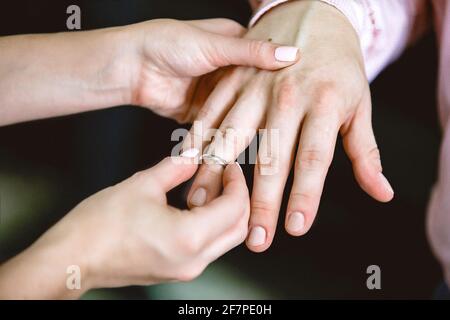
(384, 191)
(296, 233)
(296, 223)
(257, 249)
(258, 240)
(377, 186)
(380, 195)
(388, 197)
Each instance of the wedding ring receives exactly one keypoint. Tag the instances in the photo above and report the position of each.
(213, 159)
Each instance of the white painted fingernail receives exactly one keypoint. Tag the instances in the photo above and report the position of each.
(239, 166)
(296, 222)
(190, 153)
(198, 199)
(257, 236)
(386, 183)
(286, 54)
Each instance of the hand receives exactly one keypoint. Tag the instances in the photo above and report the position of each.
(128, 235)
(155, 64)
(173, 54)
(308, 104)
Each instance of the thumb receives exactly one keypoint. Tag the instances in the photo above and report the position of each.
(361, 147)
(172, 171)
(224, 212)
(226, 51)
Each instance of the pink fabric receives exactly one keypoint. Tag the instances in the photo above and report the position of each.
(384, 28)
(264, 6)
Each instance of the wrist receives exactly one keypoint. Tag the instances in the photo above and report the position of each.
(116, 65)
(308, 25)
(43, 271)
(67, 250)
(101, 68)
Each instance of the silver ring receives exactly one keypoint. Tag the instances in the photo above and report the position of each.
(214, 159)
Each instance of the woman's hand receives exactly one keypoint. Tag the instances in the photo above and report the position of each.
(307, 104)
(128, 235)
(174, 54)
(155, 64)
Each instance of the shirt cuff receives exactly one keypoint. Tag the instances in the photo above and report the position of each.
(264, 7)
(348, 8)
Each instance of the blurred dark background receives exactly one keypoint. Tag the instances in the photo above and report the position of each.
(47, 167)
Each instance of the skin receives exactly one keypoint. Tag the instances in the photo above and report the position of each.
(154, 64)
(126, 234)
(309, 103)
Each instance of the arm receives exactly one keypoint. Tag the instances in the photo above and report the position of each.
(144, 64)
(57, 74)
(40, 272)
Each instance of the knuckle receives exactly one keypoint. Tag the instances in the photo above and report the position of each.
(285, 92)
(370, 156)
(312, 159)
(374, 153)
(204, 113)
(227, 132)
(256, 48)
(268, 164)
(308, 200)
(325, 96)
(228, 142)
(189, 273)
(243, 231)
(262, 208)
(375, 158)
(231, 25)
(271, 159)
(142, 179)
(187, 244)
(240, 230)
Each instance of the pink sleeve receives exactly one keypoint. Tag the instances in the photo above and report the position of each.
(383, 26)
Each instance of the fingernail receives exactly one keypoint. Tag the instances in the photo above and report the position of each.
(386, 183)
(296, 222)
(239, 166)
(190, 153)
(198, 199)
(257, 236)
(286, 54)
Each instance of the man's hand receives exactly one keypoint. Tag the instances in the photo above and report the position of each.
(326, 93)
